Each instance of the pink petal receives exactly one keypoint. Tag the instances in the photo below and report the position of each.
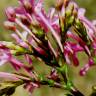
(9, 76)
(28, 58)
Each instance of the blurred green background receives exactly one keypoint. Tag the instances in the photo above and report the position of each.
(83, 83)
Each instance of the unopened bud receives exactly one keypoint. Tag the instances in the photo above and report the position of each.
(28, 6)
(19, 51)
(71, 20)
(59, 4)
(75, 12)
(9, 25)
(66, 3)
(10, 12)
(69, 10)
(34, 22)
(24, 20)
(78, 23)
(9, 45)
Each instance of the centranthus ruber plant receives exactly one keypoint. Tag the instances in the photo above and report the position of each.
(54, 37)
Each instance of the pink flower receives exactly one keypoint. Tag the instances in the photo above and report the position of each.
(6, 56)
(46, 35)
(10, 12)
(9, 76)
(31, 86)
(86, 67)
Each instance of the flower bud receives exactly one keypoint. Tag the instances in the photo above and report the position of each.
(9, 25)
(24, 20)
(69, 10)
(28, 6)
(66, 3)
(59, 4)
(75, 13)
(70, 21)
(10, 12)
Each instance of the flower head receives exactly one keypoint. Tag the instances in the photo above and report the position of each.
(55, 37)
(59, 23)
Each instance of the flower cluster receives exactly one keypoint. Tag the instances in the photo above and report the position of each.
(54, 37)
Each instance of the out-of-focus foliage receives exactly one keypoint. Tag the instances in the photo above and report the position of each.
(87, 81)
(3, 5)
(90, 6)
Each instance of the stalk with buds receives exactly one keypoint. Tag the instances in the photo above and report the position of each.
(54, 37)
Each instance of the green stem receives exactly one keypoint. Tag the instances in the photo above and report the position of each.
(44, 81)
(69, 85)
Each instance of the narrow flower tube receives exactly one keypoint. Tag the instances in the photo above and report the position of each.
(10, 76)
(84, 70)
(10, 12)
